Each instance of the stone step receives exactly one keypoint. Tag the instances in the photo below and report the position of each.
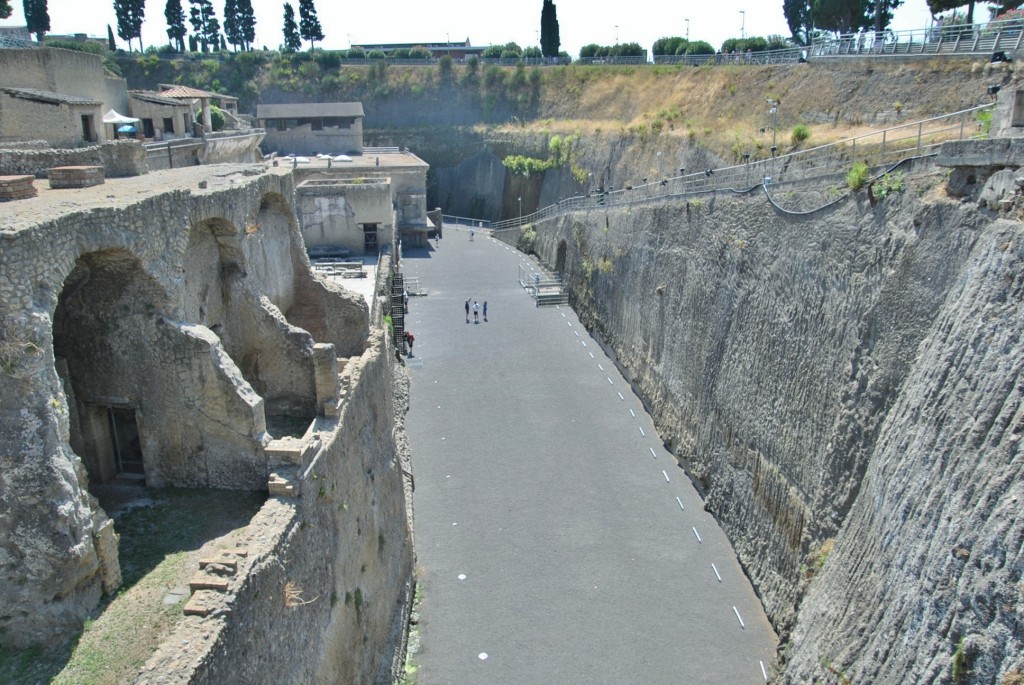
(201, 603)
(283, 486)
(205, 581)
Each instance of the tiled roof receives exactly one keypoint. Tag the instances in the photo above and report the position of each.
(49, 97)
(155, 98)
(189, 92)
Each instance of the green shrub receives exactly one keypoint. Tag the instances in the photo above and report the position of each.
(800, 134)
(420, 52)
(356, 53)
(889, 184)
(376, 54)
(329, 59)
(857, 177)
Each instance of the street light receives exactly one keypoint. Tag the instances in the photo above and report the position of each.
(520, 209)
(743, 24)
(774, 111)
(687, 20)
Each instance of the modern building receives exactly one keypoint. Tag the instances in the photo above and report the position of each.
(458, 50)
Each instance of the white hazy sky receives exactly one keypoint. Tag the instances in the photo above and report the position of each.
(483, 22)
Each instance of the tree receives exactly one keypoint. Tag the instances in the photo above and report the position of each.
(111, 43)
(247, 22)
(232, 26)
(37, 18)
(798, 17)
(130, 14)
(882, 13)
(5, 9)
(549, 40)
(175, 17)
(309, 25)
(841, 16)
(204, 24)
(292, 40)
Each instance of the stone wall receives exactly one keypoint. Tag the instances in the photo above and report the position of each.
(802, 368)
(118, 159)
(321, 595)
(69, 72)
(333, 211)
(59, 123)
(185, 301)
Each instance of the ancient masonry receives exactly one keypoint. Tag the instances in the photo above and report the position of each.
(157, 329)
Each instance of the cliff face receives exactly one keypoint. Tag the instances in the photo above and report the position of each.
(849, 374)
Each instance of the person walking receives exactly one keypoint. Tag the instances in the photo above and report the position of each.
(476, 312)
(467, 311)
(485, 310)
(409, 340)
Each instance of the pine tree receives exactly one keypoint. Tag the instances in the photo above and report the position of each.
(247, 22)
(309, 25)
(5, 9)
(175, 17)
(842, 16)
(111, 43)
(798, 17)
(292, 40)
(37, 18)
(205, 24)
(549, 39)
(130, 14)
(232, 29)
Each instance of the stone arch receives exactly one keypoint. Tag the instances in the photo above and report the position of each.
(104, 332)
(560, 256)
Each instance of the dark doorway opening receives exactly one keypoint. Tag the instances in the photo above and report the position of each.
(370, 238)
(124, 433)
(88, 130)
(560, 257)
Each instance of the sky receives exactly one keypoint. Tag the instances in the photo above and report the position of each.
(483, 23)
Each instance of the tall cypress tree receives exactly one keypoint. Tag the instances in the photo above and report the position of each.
(175, 17)
(232, 27)
(111, 43)
(798, 17)
(549, 39)
(309, 24)
(5, 9)
(204, 24)
(292, 40)
(37, 18)
(247, 23)
(130, 14)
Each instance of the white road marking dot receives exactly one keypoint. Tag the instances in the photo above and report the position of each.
(569, 324)
(738, 618)
(577, 333)
(631, 413)
(563, 315)
(600, 367)
(764, 673)
(623, 398)
(681, 507)
(642, 431)
(591, 355)
(455, 524)
(696, 533)
(609, 381)
(666, 476)
(482, 656)
(584, 343)
(653, 454)
(462, 576)
(717, 574)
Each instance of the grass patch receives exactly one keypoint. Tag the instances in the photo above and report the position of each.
(857, 177)
(159, 551)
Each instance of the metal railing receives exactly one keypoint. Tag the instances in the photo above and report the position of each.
(878, 150)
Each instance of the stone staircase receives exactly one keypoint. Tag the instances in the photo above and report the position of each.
(211, 582)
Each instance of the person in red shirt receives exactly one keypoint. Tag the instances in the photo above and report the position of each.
(409, 339)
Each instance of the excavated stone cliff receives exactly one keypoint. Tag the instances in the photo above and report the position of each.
(851, 378)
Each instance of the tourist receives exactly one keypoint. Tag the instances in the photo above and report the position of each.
(409, 340)
(485, 310)
(476, 312)
(467, 311)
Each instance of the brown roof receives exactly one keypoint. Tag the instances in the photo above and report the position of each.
(189, 92)
(156, 98)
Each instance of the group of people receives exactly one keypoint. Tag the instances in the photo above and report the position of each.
(476, 311)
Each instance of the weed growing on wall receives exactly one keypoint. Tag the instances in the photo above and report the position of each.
(857, 177)
(889, 183)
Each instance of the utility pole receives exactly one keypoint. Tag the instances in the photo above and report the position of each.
(774, 111)
(743, 24)
(687, 20)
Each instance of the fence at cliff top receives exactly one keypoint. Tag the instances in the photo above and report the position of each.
(879, 151)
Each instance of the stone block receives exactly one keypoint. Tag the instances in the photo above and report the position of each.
(75, 176)
(201, 603)
(16, 188)
(205, 581)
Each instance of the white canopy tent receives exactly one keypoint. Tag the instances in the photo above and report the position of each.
(112, 117)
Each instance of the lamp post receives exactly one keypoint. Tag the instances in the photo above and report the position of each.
(774, 111)
(687, 20)
(660, 175)
(743, 24)
(520, 209)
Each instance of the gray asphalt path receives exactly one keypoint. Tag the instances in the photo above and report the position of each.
(556, 539)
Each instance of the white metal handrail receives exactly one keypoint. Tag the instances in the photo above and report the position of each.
(879, 149)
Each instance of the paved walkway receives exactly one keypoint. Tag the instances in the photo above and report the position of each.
(557, 541)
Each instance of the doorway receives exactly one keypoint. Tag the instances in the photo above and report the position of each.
(370, 238)
(88, 129)
(124, 435)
